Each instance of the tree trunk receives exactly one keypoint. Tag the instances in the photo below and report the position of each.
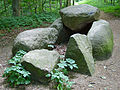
(73, 2)
(35, 3)
(5, 6)
(64, 3)
(105, 1)
(119, 2)
(60, 4)
(50, 5)
(16, 7)
(43, 2)
(57, 2)
(69, 2)
(40, 6)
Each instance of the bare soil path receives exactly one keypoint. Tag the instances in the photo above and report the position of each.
(107, 74)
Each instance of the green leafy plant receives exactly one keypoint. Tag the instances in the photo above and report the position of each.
(59, 75)
(16, 74)
(104, 6)
(29, 21)
(16, 59)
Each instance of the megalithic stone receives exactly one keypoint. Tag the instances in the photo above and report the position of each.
(80, 49)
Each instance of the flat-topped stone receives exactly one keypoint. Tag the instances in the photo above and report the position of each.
(39, 63)
(77, 17)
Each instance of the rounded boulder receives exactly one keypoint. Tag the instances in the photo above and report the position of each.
(101, 37)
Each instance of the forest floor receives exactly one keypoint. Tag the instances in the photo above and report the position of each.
(106, 76)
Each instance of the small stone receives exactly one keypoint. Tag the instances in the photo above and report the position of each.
(105, 88)
(86, 76)
(50, 47)
(103, 77)
(90, 85)
(105, 67)
(113, 70)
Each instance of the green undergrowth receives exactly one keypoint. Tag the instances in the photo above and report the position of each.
(30, 21)
(16, 74)
(106, 7)
(60, 75)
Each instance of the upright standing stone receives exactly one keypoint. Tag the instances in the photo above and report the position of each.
(101, 37)
(80, 49)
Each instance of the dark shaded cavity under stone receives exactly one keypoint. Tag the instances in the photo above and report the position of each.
(65, 34)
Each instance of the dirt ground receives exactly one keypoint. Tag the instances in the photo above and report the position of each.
(106, 76)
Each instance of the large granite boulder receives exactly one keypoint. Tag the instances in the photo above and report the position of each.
(80, 49)
(63, 32)
(57, 24)
(39, 63)
(78, 17)
(35, 39)
(101, 37)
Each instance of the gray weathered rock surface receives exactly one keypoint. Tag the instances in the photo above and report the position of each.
(63, 32)
(39, 63)
(101, 37)
(35, 39)
(57, 24)
(77, 17)
(80, 49)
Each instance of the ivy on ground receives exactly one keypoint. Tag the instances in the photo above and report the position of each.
(16, 74)
(59, 75)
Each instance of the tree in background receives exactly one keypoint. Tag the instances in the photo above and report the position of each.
(33, 13)
(27, 7)
(16, 7)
